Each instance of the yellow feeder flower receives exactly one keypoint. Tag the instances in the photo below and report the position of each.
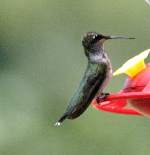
(134, 65)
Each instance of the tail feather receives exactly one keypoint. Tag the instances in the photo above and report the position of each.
(59, 122)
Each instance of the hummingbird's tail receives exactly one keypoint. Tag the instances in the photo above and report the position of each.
(59, 122)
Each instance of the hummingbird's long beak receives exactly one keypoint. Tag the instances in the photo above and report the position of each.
(118, 37)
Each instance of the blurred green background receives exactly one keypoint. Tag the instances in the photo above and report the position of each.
(41, 63)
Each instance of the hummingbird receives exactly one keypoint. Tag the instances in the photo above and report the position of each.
(96, 76)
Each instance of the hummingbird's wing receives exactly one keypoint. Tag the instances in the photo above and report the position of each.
(92, 81)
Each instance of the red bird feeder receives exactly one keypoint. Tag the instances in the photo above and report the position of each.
(134, 98)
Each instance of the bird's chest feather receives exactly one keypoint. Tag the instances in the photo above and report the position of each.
(94, 80)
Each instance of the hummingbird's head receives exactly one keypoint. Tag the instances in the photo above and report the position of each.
(90, 39)
(93, 41)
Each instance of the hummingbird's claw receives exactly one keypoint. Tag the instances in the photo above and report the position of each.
(102, 97)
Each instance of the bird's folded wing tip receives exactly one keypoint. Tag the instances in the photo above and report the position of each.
(57, 124)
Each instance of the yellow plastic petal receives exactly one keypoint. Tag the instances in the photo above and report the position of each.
(134, 65)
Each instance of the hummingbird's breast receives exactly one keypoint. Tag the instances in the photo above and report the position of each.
(94, 80)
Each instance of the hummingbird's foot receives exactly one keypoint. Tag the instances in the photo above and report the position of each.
(102, 97)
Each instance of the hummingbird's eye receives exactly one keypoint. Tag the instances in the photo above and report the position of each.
(95, 38)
